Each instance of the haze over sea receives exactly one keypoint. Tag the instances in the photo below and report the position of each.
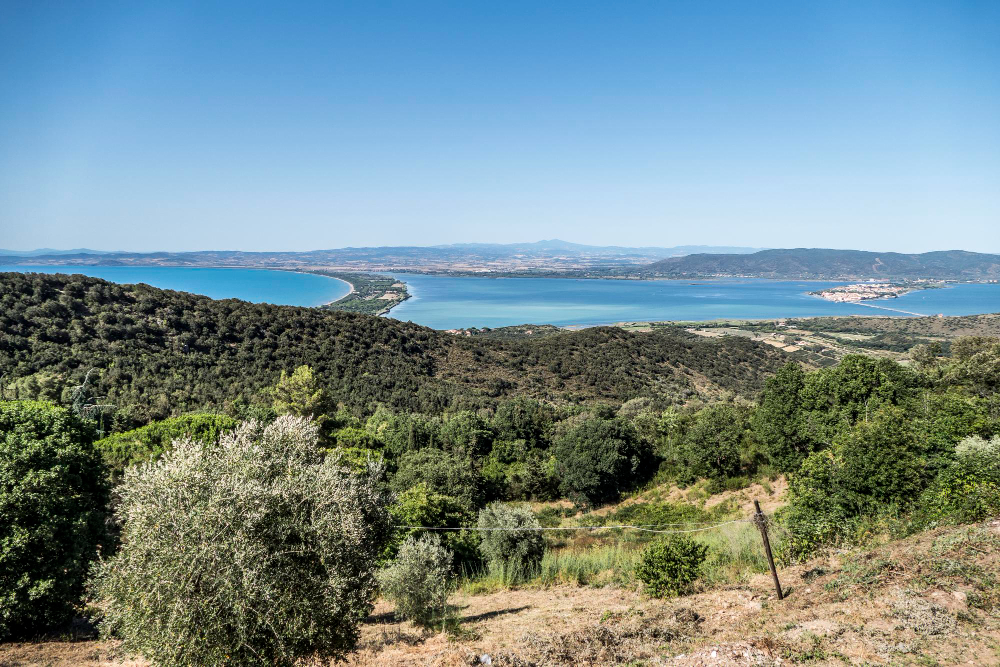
(444, 302)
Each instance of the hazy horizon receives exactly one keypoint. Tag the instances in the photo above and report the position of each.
(471, 243)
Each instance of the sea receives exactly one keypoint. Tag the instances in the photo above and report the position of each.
(257, 285)
(444, 302)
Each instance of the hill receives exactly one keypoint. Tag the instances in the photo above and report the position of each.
(834, 264)
(553, 255)
(52, 252)
(161, 353)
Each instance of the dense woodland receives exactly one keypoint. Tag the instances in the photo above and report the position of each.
(157, 353)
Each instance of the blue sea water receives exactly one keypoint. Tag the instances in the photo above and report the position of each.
(445, 302)
(257, 285)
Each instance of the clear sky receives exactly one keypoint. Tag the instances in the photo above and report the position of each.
(295, 126)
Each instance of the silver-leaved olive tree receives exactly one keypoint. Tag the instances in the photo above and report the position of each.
(251, 550)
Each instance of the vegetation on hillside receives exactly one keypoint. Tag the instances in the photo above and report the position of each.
(158, 353)
(53, 503)
(339, 426)
(827, 263)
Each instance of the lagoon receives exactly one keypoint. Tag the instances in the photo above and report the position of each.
(445, 302)
(256, 285)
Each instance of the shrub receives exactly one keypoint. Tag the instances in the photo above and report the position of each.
(517, 472)
(717, 441)
(443, 472)
(419, 506)
(814, 514)
(599, 458)
(511, 539)
(966, 491)
(53, 496)
(253, 550)
(977, 445)
(419, 580)
(149, 442)
(299, 394)
(670, 565)
(872, 470)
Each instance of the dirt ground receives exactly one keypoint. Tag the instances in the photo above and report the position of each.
(932, 599)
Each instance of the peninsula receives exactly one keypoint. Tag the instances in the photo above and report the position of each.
(371, 293)
(871, 290)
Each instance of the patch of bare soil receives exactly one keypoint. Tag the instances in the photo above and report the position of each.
(931, 599)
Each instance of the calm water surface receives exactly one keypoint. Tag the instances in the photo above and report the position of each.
(448, 303)
(257, 285)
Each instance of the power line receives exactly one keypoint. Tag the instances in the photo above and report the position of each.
(646, 528)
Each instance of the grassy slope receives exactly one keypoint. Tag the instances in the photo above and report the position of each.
(929, 599)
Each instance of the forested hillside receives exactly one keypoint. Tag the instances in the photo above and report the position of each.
(157, 353)
(827, 263)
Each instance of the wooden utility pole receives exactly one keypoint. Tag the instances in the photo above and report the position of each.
(761, 522)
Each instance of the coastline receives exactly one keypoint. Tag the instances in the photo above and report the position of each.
(370, 293)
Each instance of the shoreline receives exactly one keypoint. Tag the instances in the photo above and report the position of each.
(363, 296)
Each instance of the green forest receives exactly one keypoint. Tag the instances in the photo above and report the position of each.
(103, 377)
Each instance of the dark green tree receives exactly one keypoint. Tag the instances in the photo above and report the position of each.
(776, 421)
(598, 459)
(53, 500)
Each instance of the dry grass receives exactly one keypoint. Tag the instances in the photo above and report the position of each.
(931, 599)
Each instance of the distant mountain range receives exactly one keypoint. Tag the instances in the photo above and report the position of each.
(52, 251)
(561, 258)
(542, 255)
(833, 264)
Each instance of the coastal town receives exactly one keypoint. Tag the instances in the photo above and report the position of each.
(871, 290)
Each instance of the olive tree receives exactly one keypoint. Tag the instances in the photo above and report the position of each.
(512, 540)
(419, 579)
(250, 550)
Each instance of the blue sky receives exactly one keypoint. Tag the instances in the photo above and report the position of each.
(295, 126)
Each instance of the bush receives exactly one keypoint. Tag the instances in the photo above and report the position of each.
(511, 539)
(53, 495)
(419, 506)
(443, 473)
(977, 445)
(253, 550)
(872, 470)
(517, 472)
(717, 442)
(149, 442)
(670, 565)
(814, 514)
(966, 491)
(419, 579)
